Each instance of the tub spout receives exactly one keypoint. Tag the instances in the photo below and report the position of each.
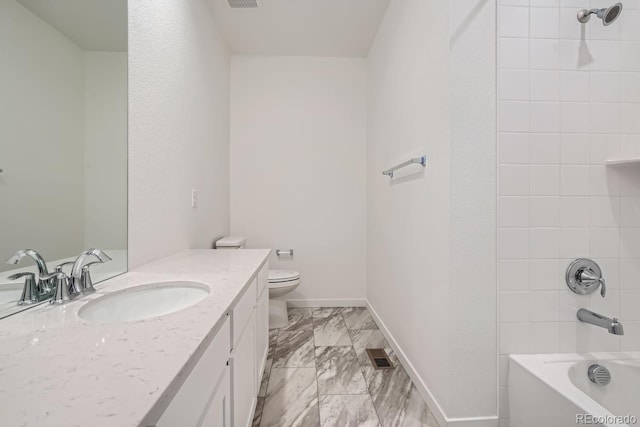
(612, 325)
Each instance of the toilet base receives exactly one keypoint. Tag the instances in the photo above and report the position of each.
(278, 317)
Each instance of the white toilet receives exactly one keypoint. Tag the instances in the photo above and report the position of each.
(281, 282)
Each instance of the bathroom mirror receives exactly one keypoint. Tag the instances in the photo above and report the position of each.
(63, 135)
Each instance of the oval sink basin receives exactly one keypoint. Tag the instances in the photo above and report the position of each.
(144, 302)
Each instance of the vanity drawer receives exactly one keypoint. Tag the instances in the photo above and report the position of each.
(242, 312)
(192, 400)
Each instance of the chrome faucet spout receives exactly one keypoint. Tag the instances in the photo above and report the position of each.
(76, 270)
(37, 258)
(613, 326)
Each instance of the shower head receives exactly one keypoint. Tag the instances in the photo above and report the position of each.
(608, 14)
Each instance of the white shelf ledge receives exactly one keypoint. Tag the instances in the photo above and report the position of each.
(623, 162)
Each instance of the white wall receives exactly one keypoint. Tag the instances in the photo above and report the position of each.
(298, 156)
(408, 218)
(105, 149)
(569, 100)
(178, 128)
(41, 134)
(431, 235)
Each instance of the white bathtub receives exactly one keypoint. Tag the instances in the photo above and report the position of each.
(553, 390)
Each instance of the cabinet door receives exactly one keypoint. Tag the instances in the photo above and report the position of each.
(262, 333)
(244, 373)
(218, 413)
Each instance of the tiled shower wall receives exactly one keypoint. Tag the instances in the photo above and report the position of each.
(569, 99)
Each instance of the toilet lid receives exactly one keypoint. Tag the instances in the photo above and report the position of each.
(279, 276)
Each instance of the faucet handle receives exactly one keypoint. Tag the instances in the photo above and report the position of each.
(30, 290)
(61, 293)
(589, 277)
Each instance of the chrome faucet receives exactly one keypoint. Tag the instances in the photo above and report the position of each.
(612, 325)
(80, 277)
(44, 286)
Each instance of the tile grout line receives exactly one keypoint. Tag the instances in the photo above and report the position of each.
(315, 361)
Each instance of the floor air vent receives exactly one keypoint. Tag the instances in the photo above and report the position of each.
(379, 358)
(244, 4)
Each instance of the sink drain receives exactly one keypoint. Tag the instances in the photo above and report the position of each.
(379, 358)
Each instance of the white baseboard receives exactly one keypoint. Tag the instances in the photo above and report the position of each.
(436, 409)
(305, 303)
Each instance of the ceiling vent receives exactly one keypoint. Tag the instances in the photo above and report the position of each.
(244, 4)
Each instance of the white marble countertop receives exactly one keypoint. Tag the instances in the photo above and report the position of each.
(58, 370)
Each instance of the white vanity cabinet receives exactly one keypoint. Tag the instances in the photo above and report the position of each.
(222, 388)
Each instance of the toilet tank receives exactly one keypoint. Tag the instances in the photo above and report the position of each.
(231, 242)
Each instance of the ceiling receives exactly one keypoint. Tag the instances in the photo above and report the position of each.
(92, 24)
(302, 27)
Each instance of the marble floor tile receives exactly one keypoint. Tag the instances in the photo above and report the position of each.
(330, 331)
(299, 318)
(358, 318)
(348, 411)
(292, 399)
(339, 371)
(265, 378)
(273, 339)
(327, 311)
(257, 414)
(294, 349)
(368, 338)
(431, 421)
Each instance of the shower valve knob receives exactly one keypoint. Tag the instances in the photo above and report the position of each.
(584, 276)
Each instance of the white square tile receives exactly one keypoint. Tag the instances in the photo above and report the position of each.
(570, 303)
(604, 147)
(630, 118)
(514, 53)
(545, 85)
(545, 148)
(628, 179)
(514, 338)
(545, 54)
(575, 86)
(504, 370)
(544, 211)
(545, 180)
(629, 146)
(514, 180)
(514, 211)
(514, 21)
(574, 55)
(605, 118)
(574, 242)
(545, 306)
(629, 273)
(514, 275)
(514, 148)
(545, 242)
(629, 58)
(632, 336)
(610, 304)
(574, 180)
(630, 86)
(629, 241)
(604, 242)
(514, 307)
(604, 211)
(514, 116)
(604, 182)
(629, 28)
(574, 212)
(568, 337)
(545, 117)
(514, 85)
(514, 2)
(605, 55)
(544, 3)
(603, 341)
(600, 32)
(572, 3)
(545, 275)
(570, 28)
(575, 149)
(611, 270)
(514, 243)
(545, 337)
(605, 86)
(545, 22)
(575, 117)
(629, 211)
(503, 395)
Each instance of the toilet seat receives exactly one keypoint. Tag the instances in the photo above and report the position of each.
(282, 277)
